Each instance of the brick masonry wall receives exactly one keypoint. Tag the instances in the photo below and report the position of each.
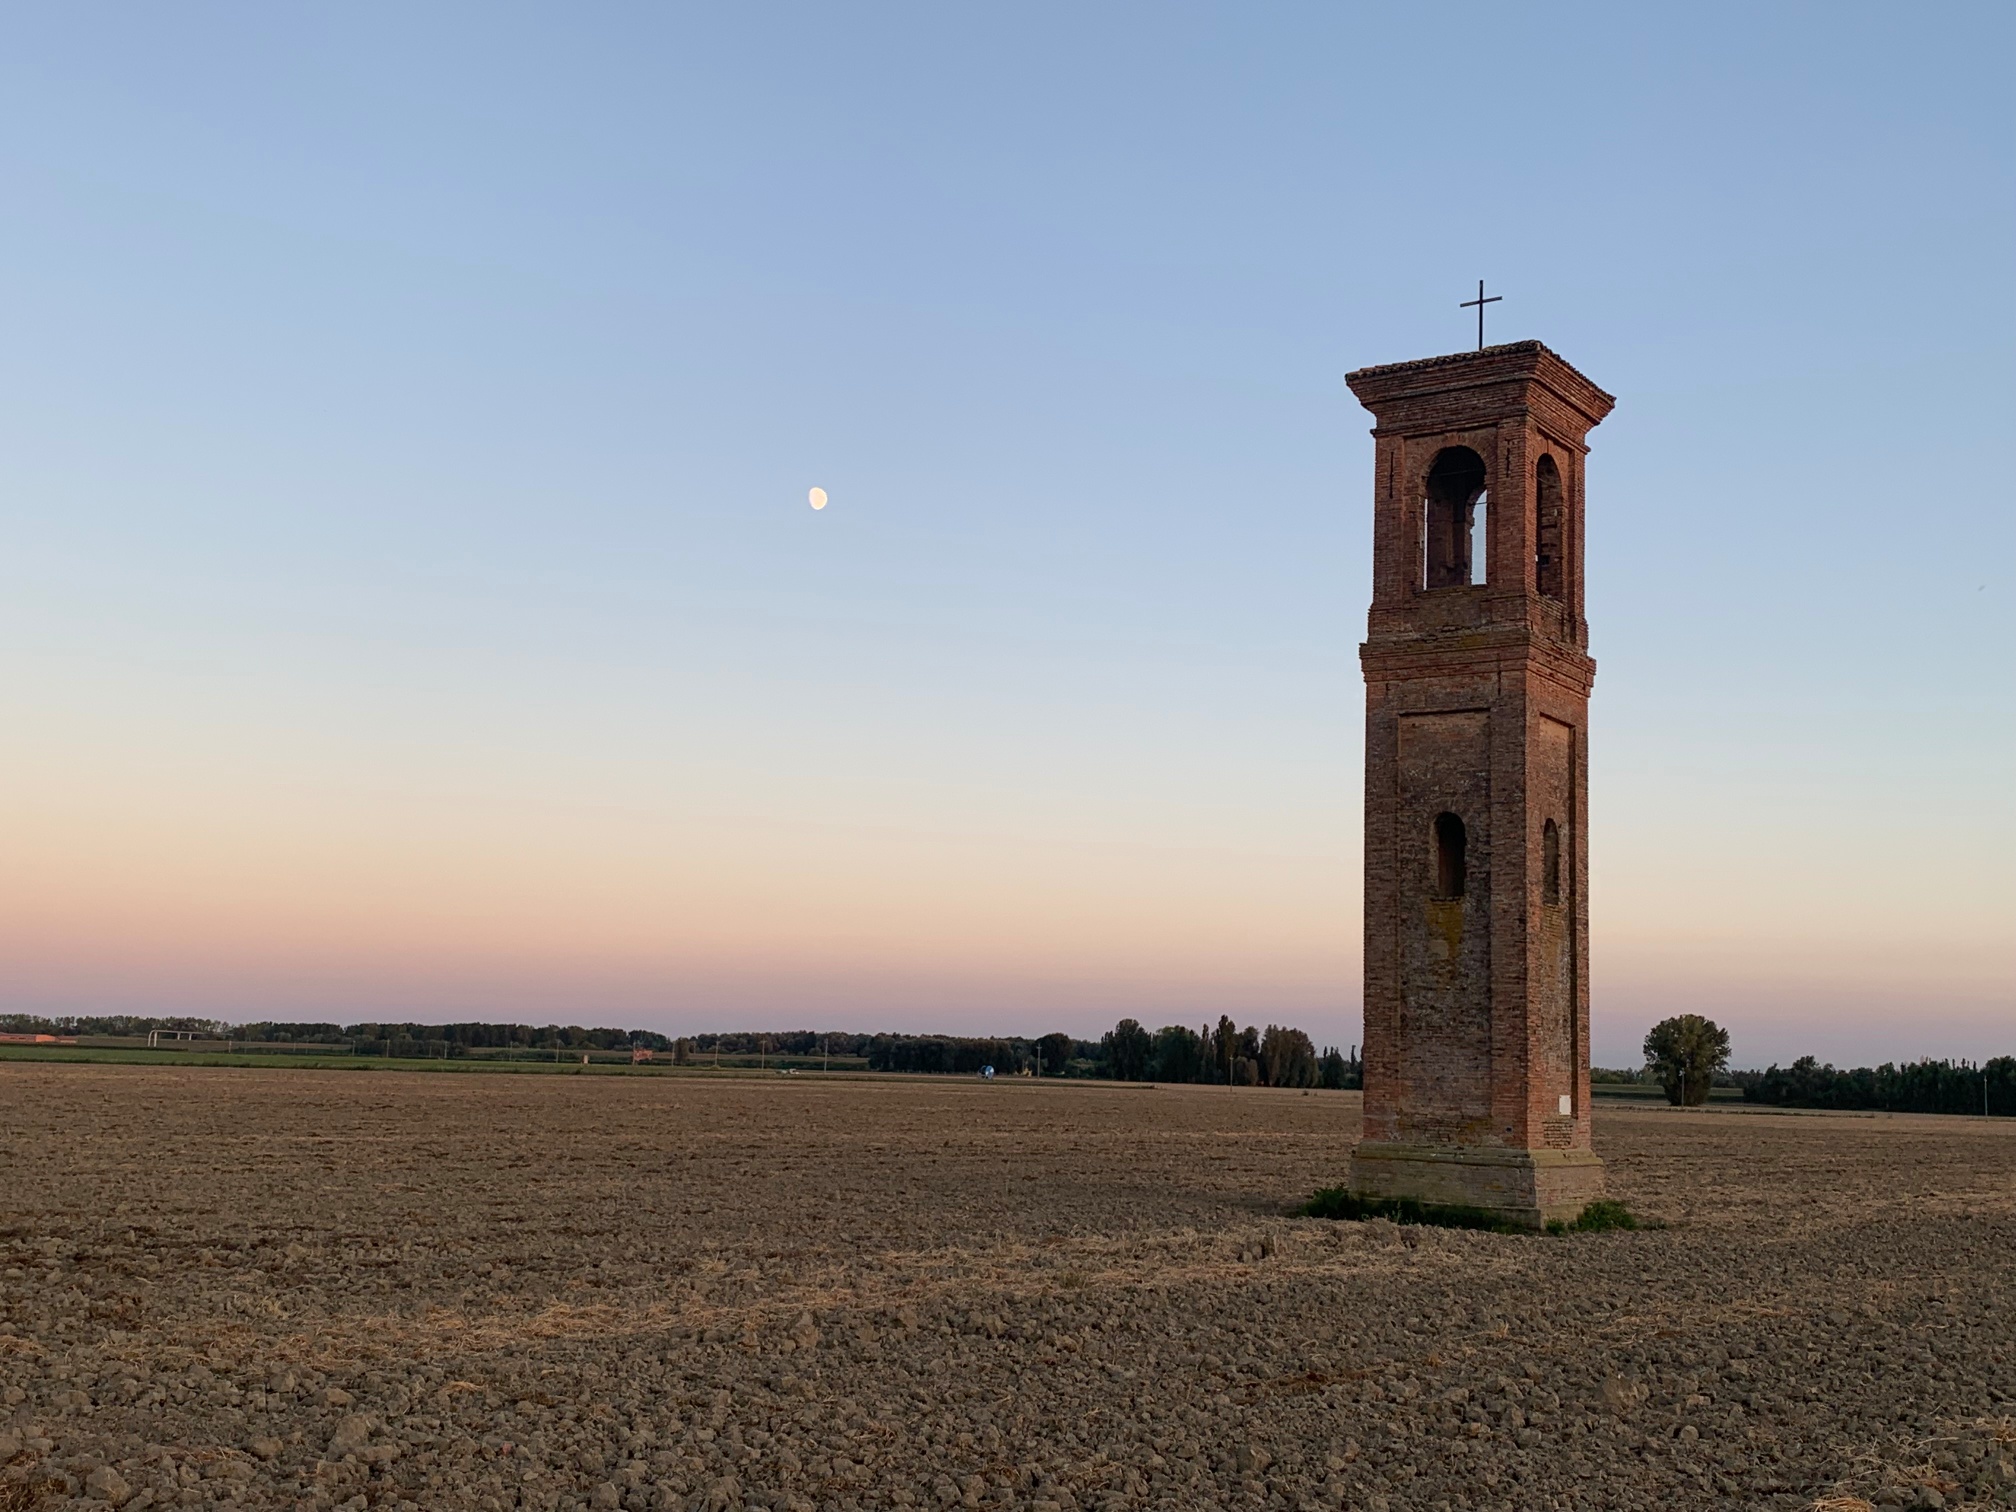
(1476, 1008)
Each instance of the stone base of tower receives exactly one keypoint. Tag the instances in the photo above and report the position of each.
(1532, 1188)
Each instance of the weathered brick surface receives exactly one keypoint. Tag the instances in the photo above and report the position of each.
(1477, 1006)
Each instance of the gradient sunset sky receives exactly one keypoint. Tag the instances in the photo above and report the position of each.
(410, 607)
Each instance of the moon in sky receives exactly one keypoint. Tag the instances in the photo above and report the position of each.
(817, 498)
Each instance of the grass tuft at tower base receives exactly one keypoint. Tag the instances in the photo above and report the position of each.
(1605, 1215)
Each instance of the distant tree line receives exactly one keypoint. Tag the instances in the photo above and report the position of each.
(797, 1042)
(1688, 1054)
(1684, 1055)
(1927, 1086)
(955, 1055)
(930, 1054)
(1277, 1056)
(367, 1038)
(118, 1023)
(475, 1036)
(1226, 1054)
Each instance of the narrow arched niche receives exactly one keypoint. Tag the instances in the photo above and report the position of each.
(1455, 490)
(1452, 843)
(1550, 862)
(1549, 530)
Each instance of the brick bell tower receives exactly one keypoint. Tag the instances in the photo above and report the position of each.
(1477, 679)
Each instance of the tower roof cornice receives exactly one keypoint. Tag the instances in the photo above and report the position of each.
(1393, 385)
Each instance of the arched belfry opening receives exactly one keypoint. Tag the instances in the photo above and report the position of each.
(1453, 553)
(1452, 860)
(1549, 532)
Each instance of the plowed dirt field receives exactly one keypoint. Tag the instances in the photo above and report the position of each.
(343, 1289)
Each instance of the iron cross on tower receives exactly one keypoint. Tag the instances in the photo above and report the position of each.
(1480, 301)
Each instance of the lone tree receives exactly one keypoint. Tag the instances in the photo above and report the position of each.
(1685, 1053)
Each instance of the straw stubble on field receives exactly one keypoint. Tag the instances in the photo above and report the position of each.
(340, 1289)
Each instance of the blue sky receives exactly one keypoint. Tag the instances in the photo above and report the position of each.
(408, 600)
